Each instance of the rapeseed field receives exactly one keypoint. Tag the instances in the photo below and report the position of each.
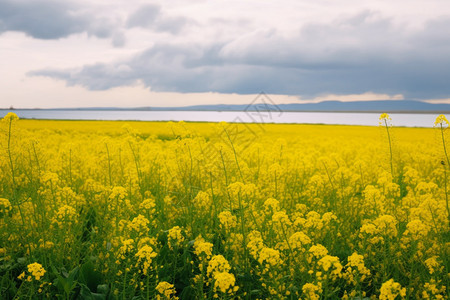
(162, 210)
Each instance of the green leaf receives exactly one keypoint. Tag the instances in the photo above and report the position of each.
(86, 293)
(89, 276)
(103, 289)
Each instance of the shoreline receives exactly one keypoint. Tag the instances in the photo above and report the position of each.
(220, 111)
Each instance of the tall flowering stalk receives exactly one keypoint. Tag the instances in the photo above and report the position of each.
(442, 123)
(9, 119)
(385, 121)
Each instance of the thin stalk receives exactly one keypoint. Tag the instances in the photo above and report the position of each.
(445, 173)
(390, 146)
(70, 168)
(10, 155)
(109, 165)
(235, 155)
(224, 167)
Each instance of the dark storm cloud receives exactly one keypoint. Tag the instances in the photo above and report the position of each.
(365, 52)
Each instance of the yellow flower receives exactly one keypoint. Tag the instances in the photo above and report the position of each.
(166, 291)
(148, 205)
(218, 263)
(385, 120)
(282, 218)
(139, 225)
(66, 214)
(21, 276)
(175, 236)
(145, 257)
(5, 206)
(127, 246)
(271, 205)
(441, 120)
(203, 248)
(10, 117)
(318, 251)
(202, 201)
(356, 268)
(227, 220)
(391, 289)
(299, 240)
(269, 256)
(433, 290)
(384, 116)
(224, 281)
(36, 270)
(312, 291)
(332, 265)
(433, 265)
(255, 243)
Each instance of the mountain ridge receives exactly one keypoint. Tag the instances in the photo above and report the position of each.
(324, 106)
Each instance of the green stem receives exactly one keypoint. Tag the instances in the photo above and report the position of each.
(390, 146)
(109, 165)
(445, 173)
(235, 155)
(10, 155)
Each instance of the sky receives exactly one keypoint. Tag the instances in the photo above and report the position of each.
(131, 53)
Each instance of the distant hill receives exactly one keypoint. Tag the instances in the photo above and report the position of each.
(390, 106)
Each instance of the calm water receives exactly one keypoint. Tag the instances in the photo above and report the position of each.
(371, 119)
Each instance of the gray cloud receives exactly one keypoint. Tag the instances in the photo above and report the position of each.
(47, 19)
(50, 19)
(364, 52)
(41, 19)
(145, 16)
(150, 16)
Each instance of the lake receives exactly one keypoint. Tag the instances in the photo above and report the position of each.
(369, 119)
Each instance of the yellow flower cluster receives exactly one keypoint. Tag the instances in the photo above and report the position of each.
(10, 117)
(433, 265)
(391, 289)
(145, 256)
(166, 291)
(219, 272)
(299, 241)
(318, 251)
(175, 237)
(441, 120)
(202, 248)
(35, 271)
(227, 220)
(224, 282)
(434, 290)
(139, 225)
(271, 205)
(356, 271)
(127, 247)
(312, 291)
(65, 214)
(202, 201)
(384, 226)
(269, 257)
(218, 263)
(330, 268)
(148, 205)
(5, 206)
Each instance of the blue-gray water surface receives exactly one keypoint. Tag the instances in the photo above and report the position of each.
(370, 119)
